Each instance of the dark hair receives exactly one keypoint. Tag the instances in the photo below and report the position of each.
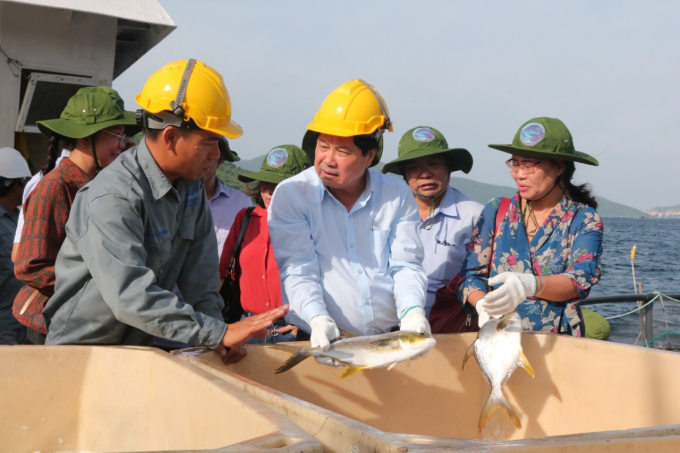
(366, 143)
(57, 143)
(581, 193)
(253, 191)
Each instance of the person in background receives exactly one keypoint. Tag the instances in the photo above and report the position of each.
(58, 149)
(14, 174)
(447, 215)
(546, 254)
(345, 237)
(259, 279)
(93, 126)
(145, 226)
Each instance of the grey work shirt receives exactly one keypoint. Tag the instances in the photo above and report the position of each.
(9, 285)
(130, 237)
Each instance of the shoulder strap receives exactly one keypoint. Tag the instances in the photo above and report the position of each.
(239, 240)
(500, 214)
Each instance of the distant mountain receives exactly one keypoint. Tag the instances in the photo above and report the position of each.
(480, 191)
(668, 211)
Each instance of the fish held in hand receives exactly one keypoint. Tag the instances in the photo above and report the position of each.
(498, 349)
(359, 353)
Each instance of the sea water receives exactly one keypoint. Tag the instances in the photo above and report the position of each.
(657, 266)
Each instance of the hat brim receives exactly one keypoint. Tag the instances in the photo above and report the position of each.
(309, 146)
(72, 130)
(461, 159)
(262, 176)
(578, 156)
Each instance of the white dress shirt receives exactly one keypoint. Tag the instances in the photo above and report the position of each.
(363, 267)
(445, 237)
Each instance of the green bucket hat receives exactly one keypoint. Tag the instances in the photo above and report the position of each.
(545, 138)
(280, 163)
(88, 111)
(226, 152)
(424, 141)
(309, 145)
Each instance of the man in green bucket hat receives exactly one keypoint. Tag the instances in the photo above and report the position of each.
(547, 249)
(259, 280)
(93, 127)
(144, 226)
(448, 216)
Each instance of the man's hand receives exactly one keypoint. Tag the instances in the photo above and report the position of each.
(515, 289)
(415, 321)
(233, 354)
(253, 326)
(324, 331)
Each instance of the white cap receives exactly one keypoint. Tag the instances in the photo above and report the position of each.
(13, 165)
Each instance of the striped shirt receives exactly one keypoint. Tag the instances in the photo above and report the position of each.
(46, 211)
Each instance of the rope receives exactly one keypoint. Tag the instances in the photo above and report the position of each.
(636, 310)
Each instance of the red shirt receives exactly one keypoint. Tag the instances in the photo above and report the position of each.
(259, 282)
(46, 211)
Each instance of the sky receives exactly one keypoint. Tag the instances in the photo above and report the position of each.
(610, 70)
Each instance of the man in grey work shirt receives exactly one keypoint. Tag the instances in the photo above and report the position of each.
(144, 225)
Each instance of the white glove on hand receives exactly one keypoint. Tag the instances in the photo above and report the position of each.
(481, 311)
(324, 331)
(516, 288)
(415, 320)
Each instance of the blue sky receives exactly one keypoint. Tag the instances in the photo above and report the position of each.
(474, 70)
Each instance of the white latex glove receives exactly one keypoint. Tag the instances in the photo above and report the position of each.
(324, 331)
(515, 289)
(481, 311)
(415, 320)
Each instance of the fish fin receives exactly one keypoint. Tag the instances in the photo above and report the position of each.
(524, 363)
(385, 342)
(468, 353)
(350, 370)
(497, 401)
(502, 324)
(299, 354)
(391, 366)
(347, 333)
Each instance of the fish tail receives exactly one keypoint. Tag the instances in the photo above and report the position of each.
(497, 401)
(298, 355)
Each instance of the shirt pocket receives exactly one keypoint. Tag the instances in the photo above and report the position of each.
(158, 251)
(381, 252)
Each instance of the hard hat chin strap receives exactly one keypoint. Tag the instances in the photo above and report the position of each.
(176, 105)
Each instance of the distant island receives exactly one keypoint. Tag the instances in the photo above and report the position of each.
(480, 191)
(665, 212)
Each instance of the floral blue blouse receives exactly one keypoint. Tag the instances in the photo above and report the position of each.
(569, 243)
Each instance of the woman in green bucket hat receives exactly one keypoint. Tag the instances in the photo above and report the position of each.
(258, 279)
(94, 128)
(448, 216)
(545, 255)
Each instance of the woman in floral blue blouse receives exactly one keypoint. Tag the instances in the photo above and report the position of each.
(545, 256)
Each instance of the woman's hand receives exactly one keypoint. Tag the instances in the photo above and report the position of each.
(252, 326)
(289, 328)
(515, 289)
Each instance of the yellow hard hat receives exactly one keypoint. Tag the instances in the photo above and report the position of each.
(354, 108)
(187, 89)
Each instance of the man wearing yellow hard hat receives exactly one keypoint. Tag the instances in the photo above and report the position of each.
(345, 238)
(144, 225)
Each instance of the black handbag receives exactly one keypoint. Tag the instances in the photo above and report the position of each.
(231, 291)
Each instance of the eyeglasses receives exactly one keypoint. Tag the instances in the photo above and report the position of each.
(122, 139)
(527, 167)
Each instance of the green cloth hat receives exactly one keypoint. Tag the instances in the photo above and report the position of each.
(424, 141)
(88, 111)
(226, 152)
(545, 138)
(309, 145)
(280, 163)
